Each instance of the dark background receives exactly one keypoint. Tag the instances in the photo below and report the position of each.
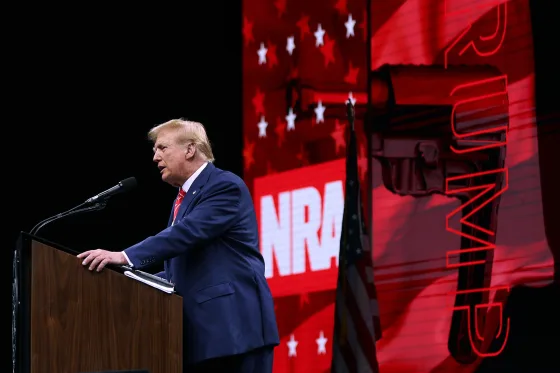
(95, 81)
(89, 83)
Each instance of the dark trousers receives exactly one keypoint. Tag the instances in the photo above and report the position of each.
(255, 361)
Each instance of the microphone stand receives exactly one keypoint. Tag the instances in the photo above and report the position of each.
(73, 211)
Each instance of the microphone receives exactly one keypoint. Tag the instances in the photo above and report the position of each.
(123, 186)
(98, 202)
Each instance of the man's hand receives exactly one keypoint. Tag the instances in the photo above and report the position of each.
(98, 259)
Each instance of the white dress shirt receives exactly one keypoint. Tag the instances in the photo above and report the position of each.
(193, 177)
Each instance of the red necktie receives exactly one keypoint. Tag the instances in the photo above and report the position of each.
(178, 201)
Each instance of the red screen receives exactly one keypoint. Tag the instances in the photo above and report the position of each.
(302, 60)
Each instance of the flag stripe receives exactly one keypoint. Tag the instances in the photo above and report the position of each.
(366, 274)
(339, 362)
(342, 352)
(361, 335)
(356, 336)
(361, 297)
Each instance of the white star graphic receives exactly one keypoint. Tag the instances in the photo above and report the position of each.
(352, 99)
(262, 54)
(320, 112)
(292, 344)
(262, 127)
(321, 342)
(290, 46)
(350, 26)
(319, 35)
(290, 118)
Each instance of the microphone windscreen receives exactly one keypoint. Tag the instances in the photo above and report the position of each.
(128, 184)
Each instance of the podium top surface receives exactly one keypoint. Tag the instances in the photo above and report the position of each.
(25, 237)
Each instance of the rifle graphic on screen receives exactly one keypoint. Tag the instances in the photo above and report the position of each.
(444, 131)
(439, 130)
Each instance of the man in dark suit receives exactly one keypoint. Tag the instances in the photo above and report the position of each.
(210, 251)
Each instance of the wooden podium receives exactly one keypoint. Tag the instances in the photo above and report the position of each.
(67, 319)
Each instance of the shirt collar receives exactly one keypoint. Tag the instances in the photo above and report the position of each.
(193, 177)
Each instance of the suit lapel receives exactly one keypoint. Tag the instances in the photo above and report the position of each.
(170, 221)
(195, 189)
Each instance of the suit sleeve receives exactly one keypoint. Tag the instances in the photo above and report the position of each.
(214, 214)
(161, 274)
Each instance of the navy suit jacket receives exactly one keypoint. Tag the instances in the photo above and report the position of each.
(212, 256)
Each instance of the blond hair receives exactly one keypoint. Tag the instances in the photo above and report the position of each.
(188, 131)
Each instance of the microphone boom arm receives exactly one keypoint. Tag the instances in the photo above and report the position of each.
(73, 211)
(99, 202)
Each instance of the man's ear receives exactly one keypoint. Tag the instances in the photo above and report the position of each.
(190, 151)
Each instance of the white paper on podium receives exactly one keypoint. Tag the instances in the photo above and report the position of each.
(151, 280)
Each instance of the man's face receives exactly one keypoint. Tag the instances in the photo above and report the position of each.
(171, 158)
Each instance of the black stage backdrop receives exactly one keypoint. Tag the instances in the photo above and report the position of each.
(95, 82)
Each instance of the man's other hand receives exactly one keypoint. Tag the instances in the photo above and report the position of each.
(98, 259)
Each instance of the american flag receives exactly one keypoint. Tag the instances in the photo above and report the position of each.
(356, 325)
